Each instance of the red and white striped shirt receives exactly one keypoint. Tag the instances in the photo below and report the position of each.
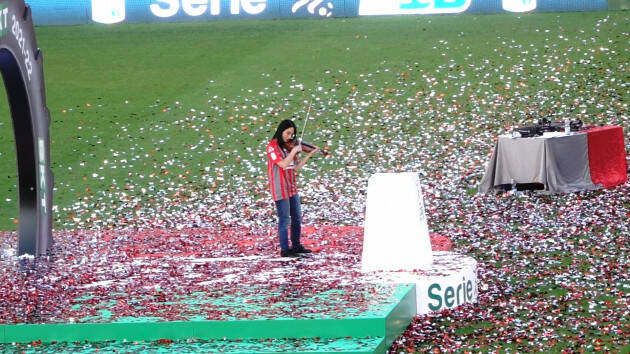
(282, 183)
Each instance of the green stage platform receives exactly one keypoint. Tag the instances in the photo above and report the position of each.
(327, 322)
(303, 345)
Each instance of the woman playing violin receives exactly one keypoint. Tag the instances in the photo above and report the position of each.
(282, 164)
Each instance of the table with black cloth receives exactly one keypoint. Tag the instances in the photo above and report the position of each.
(585, 160)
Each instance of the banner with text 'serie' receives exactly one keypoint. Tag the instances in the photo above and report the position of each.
(72, 12)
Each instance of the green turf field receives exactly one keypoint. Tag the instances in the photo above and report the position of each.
(116, 92)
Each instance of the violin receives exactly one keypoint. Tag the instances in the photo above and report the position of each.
(306, 147)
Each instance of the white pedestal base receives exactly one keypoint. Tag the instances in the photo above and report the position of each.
(450, 281)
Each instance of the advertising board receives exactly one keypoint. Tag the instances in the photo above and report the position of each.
(70, 12)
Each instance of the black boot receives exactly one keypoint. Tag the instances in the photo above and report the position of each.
(301, 249)
(288, 253)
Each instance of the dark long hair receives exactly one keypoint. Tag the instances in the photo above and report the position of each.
(284, 125)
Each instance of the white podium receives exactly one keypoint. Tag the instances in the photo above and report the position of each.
(396, 235)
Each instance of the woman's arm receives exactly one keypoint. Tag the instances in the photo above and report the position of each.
(287, 160)
(305, 159)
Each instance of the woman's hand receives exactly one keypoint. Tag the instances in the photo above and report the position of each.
(297, 148)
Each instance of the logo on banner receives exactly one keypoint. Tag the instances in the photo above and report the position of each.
(169, 8)
(4, 21)
(519, 5)
(324, 10)
(412, 7)
(41, 144)
(108, 11)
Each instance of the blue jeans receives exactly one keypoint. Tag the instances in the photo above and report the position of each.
(289, 211)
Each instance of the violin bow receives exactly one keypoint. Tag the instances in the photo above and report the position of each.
(308, 112)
